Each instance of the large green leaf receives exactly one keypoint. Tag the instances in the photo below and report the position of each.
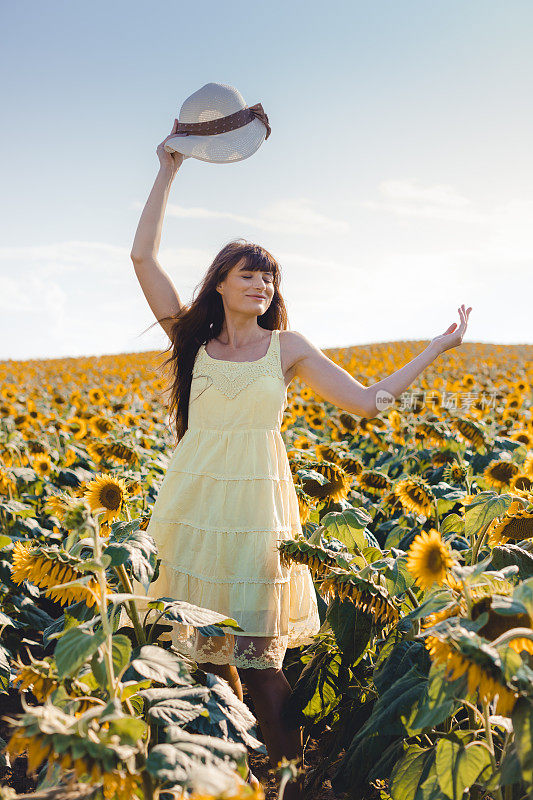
(351, 627)
(201, 764)
(507, 554)
(159, 665)
(479, 514)
(348, 527)
(403, 655)
(209, 623)
(440, 698)
(410, 773)
(522, 717)
(213, 709)
(459, 766)
(136, 549)
(317, 691)
(74, 648)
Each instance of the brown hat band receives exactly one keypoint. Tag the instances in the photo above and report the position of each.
(223, 124)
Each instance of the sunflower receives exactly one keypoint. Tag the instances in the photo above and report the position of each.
(122, 453)
(395, 419)
(415, 495)
(96, 397)
(481, 682)
(428, 431)
(99, 425)
(348, 422)
(501, 623)
(42, 464)
(472, 432)
(374, 482)
(108, 494)
(39, 676)
(337, 485)
(514, 525)
(524, 437)
(48, 567)
(455, 472)
(499, 473)
(442, 457)
(76, 426)
(58, 505)
(521, 481)
(429, 559)
(305, 503)
(303, 552)
(368, 597)
(351, 464)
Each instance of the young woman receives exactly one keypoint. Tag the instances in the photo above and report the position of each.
(227, 498)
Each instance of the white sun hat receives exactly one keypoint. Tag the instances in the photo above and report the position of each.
(216, 125)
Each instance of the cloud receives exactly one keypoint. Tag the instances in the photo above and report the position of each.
(440, 201)
(289, 215)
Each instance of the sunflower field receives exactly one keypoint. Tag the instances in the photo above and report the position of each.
(417, 528)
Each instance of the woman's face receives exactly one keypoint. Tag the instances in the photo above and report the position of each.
(245, 291)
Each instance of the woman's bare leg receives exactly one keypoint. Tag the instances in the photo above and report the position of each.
(269, 689)
(226, 671)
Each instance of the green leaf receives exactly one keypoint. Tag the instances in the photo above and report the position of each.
(508, 554)
(317, 690)
(522, 717)
(74, 648)
(452, 523)
(398, 577)
(351, 627)
(204, 764)
(348, 527)
(5, 669)
(440, 700)
(479, 514)
(160, 665)
(121, 651)
(524, 594)
(410, 773)
(458, 767)
(208, 622)
(129, 729)
(136, 549)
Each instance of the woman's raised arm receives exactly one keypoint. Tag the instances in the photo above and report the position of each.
(157, 286)
(337, 386)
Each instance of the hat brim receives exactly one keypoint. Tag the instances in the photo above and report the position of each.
(220, 148)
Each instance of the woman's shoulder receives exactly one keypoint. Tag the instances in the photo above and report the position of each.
(293, 347)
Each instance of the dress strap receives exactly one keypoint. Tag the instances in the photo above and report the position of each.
(231, 377)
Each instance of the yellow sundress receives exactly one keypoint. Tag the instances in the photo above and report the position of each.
(226, 501)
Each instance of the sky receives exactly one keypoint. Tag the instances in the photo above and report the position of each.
(397, 182)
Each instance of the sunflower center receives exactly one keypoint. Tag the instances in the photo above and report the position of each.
(111, 497)
(434, 561)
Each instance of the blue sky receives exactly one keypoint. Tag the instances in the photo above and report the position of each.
(397, 182)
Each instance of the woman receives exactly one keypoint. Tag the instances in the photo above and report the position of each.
(228, 498)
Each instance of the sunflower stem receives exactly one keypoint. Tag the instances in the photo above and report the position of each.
(108, 646)
(515, 633)
(477, 545)
(412, 597)
(468, 598)
(488, 733)
(437, 521)
(134, 616)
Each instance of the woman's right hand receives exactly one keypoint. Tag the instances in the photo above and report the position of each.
(171, 161)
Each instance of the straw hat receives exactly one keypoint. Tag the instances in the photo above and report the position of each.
(216, 125)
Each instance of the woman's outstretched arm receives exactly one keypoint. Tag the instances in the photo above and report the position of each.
(156, 284)
(337, 386)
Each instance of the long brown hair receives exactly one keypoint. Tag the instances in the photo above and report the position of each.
(201, 320)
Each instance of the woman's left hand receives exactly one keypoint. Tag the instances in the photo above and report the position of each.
(453, 336)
